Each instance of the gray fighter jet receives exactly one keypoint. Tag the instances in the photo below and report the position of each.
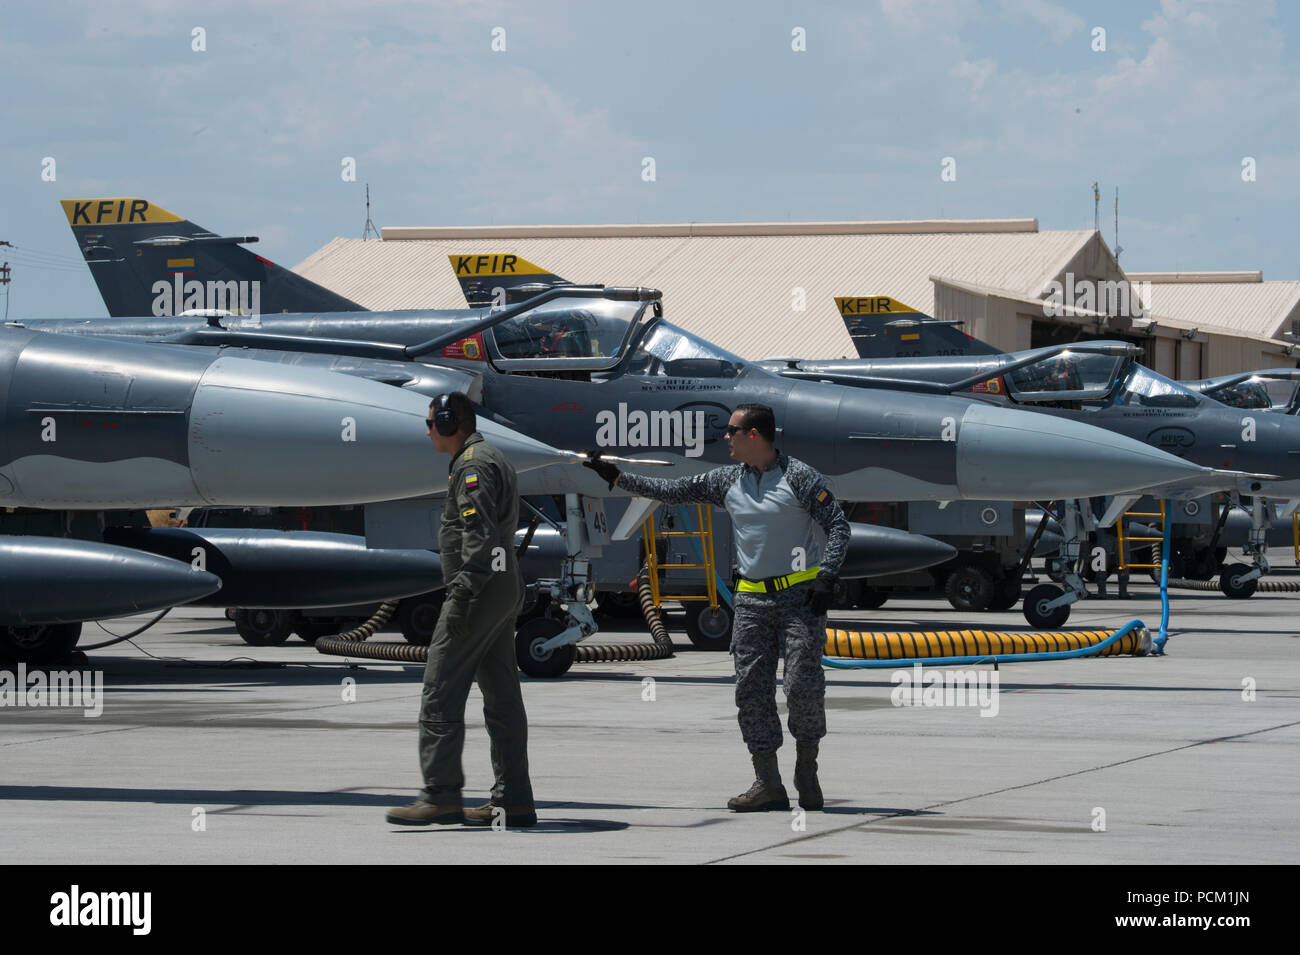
(1102, 383)
(93, 425)
(1272, 389)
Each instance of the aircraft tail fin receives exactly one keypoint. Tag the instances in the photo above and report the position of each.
(500, 279)
(148, 261)
(883, 327)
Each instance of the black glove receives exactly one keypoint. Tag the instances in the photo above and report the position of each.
(606, 470)
(821, 596)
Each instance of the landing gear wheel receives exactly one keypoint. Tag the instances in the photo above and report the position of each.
(263, 628)
(845, 595)
(39, 643)
(1036, 611)
(871, 598)
(709, 629)
(622, 605)
(309, 630)
(1006, 593)
(1233, 586)
(531, 658)
(418, 616)
(969, 588)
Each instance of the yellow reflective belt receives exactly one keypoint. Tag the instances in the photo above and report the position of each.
(773, 584)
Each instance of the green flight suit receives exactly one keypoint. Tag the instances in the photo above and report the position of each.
(475, 635)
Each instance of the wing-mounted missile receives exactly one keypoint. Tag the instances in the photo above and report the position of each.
(290, 569)
(46, 580)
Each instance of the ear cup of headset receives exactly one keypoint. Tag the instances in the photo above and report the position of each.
(444, 417)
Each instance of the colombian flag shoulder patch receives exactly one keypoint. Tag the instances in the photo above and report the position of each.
(824, 496)
(471, 479)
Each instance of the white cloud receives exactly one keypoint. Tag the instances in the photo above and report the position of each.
(1060, 23)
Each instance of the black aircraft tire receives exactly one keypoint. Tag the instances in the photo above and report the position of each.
(621, 605)
(1006, 593)
(418, 616)
(846, 594)
(1231, 584)
(1036, 611)
(871, 598)
(309, 630)
(1205, 565)
(709, 629)
(263, 628)
(39, 643)
(534, 662)
(969, 588)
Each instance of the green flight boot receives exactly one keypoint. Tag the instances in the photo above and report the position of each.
(517, 817)
(446, 812)
(767, 793)
(805, 776)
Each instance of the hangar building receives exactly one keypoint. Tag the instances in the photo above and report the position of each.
(768, 288)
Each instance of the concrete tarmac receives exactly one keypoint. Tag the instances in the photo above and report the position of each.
(211, 751)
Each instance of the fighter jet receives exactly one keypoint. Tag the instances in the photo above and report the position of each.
(601, 369)
(148, 261)
(986, 464)
(1273, 389)
(99, 425)
(1102, 383)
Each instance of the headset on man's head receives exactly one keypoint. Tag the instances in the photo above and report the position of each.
(445, 419)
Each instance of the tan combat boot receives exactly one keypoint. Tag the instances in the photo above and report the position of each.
(447, 811)
(805, 776)
(517, 817)
(767, 793)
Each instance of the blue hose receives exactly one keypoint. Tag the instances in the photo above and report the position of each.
(839, 663)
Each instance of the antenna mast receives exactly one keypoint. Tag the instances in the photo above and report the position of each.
(370, 229)
(1118, 248)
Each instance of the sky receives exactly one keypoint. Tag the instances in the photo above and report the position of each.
(1191, 110)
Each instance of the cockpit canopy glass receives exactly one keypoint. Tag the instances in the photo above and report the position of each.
(1147, 389)
(669, 350)
(1068, 376)
(1263, 393)
(593, 328)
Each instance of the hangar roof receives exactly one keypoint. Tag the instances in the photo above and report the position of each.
(735, 283)
(1241, 301)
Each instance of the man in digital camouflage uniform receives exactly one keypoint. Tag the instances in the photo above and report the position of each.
(475, 635)
(781, 512)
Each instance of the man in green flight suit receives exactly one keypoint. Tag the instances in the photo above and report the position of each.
(475, 635)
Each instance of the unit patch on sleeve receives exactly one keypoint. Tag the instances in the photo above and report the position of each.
(824, 496)
(471, 479)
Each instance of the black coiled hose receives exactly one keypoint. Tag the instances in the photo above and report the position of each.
(354, 643)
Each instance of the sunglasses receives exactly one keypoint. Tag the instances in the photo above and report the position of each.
(733, 429)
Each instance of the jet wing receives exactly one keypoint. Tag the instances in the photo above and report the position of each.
(1212, 481)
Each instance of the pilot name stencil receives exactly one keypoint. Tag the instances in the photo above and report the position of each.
(651, 429)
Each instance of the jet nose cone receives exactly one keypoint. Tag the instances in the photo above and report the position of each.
(1007, 454)
(874, 551)
(264, 434)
